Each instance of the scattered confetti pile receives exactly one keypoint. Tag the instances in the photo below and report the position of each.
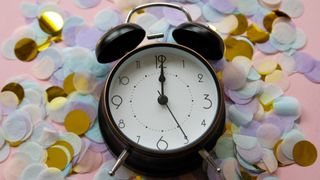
(53, 126)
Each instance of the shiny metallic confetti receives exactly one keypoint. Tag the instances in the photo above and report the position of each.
(26, 49)
(259, 119)
(51, 22)
(15, 88)
(77, 122)
(304, 153)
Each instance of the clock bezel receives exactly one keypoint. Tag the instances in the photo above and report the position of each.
(194, 146)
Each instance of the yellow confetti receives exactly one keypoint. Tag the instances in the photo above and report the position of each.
(242, 25)
(257, 35)
(236, 48)
(51, 22)
(77, 121)
(304, 153)
(26, 49)
(16, 89)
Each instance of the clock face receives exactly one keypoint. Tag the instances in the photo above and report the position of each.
(192, 95)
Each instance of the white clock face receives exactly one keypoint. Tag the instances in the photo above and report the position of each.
(189, 86)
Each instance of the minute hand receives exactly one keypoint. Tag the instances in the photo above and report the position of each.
(184, 134)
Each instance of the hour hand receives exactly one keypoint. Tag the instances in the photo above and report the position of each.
(162, 99)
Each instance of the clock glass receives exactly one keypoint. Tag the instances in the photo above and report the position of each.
(163, 97)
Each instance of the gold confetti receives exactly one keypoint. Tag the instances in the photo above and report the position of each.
(51, 22)
(304, 153)
(26, 49)
(236, 48)
(16, 89)
(257, 35)
(56, 157)
(66, 145)
(242, 25)
(68, 85)
(77, 121)
(55, 91)
(270, 17)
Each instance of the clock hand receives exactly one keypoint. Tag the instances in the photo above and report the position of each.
(162, 99)
(184, 134)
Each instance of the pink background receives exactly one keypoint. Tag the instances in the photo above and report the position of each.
(306, 92)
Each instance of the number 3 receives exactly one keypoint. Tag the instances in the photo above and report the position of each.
(207, 99)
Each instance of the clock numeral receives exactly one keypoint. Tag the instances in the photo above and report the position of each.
(162, 144)
(124, 80)
(116, 100)
(138, 64)
(159, 60)
(200, 76)
(203, 123)
(209, 100)
(183, 64)
(121, 124)
(138, 139)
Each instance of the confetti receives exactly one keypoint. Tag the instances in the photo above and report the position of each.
(262, 50)
(304, 153)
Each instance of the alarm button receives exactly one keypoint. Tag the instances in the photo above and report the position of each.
(118, 41)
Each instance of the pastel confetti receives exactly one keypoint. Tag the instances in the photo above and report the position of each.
(233, 77)
(34, 150)
(268, 135)
(304, 62)
(50, 174)
(86, 3)
(32, 171)
(224, 7)
(106, 19)
(210, 14)
(313, 75)
(238, 117)
(286, 106)
(294, 8)
(262, 50)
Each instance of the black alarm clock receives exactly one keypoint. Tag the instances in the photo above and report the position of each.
(162, 107)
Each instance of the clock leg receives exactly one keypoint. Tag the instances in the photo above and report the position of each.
(206, 156)
(123, 156)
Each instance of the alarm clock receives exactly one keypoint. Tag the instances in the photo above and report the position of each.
(162, 107)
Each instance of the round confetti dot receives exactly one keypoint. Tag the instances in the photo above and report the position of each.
(266, 67)
(43, 69)
(85, 4)
(72, 139)
(225, 7)
(227, 25)
(54, 92)
(68, 85)
(15, 88)
(304, 153)
(32, 171)
(88, 37)
(4, 152)
(77, 122)
(66, 145)
(256, 34)
(236, 47)
(34, 150)
(51, 22)
(106, 19)
(242, 25)
(56, 157)
(294, 8)
(50, 174)
(284, 31)
(26, 49)
(14, 168)
(84, 83)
